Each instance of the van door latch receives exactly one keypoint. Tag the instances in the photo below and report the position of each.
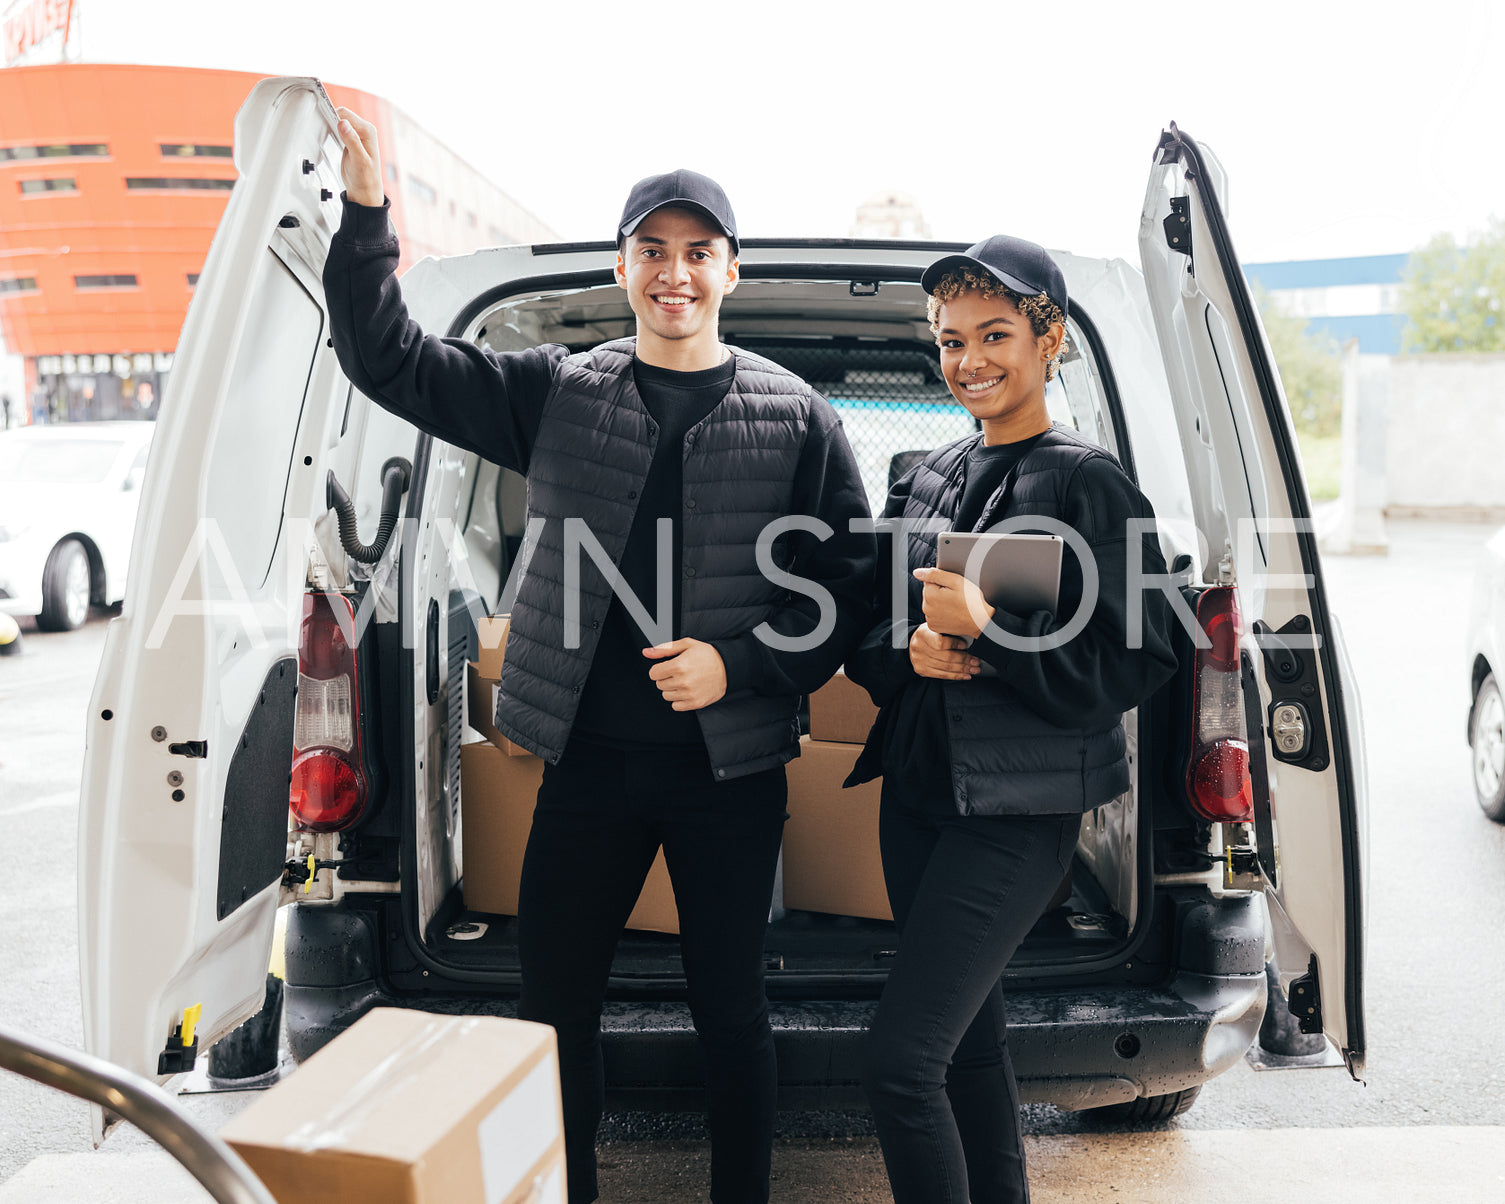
(1306, 999)
(190, 748)
(1178, 225)
(863, 288)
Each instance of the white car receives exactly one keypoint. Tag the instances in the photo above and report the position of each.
(255, 632)
(1486, 646)
(68, 499)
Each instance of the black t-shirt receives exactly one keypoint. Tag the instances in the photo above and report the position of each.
(620, 705)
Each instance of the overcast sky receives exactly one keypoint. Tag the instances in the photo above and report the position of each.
(1345, 128)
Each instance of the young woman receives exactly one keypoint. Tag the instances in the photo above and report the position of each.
(986, 776)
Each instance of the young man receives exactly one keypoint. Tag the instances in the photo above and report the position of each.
(674, 738)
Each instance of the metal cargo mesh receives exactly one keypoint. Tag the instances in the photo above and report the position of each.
(891, 398)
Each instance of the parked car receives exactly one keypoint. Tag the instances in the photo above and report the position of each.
(1486, 711)
(1242, 832)
(68, 497)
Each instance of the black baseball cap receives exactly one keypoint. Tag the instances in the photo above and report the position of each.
(1015, 263)
(689, 189)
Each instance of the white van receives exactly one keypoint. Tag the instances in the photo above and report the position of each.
(1238, 847)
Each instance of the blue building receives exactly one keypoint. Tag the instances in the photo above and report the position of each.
(1353, 298)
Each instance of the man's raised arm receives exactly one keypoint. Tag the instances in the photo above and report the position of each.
(485, 402)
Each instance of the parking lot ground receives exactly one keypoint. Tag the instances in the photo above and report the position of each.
(1419, 1165)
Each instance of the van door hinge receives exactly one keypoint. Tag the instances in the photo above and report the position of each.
(1306, 999)
(1178, 225)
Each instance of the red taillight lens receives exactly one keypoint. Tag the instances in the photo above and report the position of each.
(328, 789)
(325, 794)
(1220, 785)
(1217, 776)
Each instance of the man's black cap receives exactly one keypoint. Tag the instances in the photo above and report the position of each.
(689, 189)
(1025, 267)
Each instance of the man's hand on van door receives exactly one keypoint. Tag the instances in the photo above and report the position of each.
(689, 674)
(953, 604)
(360, 167)
(943, 656)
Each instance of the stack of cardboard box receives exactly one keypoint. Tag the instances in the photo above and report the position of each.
(831, 858)
(411, 1108)
(498, 786)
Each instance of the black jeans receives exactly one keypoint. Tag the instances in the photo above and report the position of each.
(602, 815)
(965, 892)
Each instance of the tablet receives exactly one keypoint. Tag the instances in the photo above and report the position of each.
(1017, 573)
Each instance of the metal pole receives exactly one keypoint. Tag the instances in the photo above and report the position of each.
(208, 1159)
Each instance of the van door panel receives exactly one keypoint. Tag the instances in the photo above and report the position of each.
(1251, 504)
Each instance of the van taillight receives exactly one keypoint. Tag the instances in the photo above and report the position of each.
(1217, 777)
(328, 789)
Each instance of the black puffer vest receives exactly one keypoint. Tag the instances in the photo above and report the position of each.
(595, 444)
(1006, 759)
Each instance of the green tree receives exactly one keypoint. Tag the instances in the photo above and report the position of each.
(1454, 297)
(1309, 368)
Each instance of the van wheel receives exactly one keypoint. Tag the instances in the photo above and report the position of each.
(65, 588)
(1149, 1109)
(1486, 735)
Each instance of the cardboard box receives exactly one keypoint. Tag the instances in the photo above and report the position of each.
(491, 636)
(482, 678)
(831, 858)
(480, 709)
(841, 712)
(497, 794)
(412, 1108)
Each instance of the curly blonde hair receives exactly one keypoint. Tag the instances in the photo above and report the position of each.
(1040, 310)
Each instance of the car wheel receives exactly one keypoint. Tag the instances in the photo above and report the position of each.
(1486, 733)
(1148, 1109)
(65, 588)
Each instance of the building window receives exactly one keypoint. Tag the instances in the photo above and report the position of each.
(421, 190)
(18, 284)
(59, 184)
(470, 220)
(61, 150)
(177, 184)
(92, 282)
(193, 280)
(391, 170)
(194, 150)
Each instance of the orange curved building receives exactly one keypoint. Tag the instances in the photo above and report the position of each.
(112, 182)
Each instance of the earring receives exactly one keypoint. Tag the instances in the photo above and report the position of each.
(1053, 366)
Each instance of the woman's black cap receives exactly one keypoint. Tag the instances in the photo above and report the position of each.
(689, 189)
(1023, 266)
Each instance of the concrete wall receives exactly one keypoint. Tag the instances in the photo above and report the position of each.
(1445, 434)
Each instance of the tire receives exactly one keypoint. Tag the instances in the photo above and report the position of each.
(1486, 736)
(65, 588)
(1150, 1109)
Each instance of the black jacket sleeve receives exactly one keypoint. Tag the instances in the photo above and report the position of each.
(876, 665)
(827, 487)
(483, 401)
(1091, 679)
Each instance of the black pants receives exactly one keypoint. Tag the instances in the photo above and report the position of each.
(602, 815)
(965, 892)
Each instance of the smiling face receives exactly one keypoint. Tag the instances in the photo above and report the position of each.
(676, 266)
(995, 364)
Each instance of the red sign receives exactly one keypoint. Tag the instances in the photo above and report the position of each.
(35, 23)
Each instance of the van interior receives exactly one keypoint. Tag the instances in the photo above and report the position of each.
(867, 347)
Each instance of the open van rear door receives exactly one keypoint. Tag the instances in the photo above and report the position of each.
(1252, 508)
(183, 815)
